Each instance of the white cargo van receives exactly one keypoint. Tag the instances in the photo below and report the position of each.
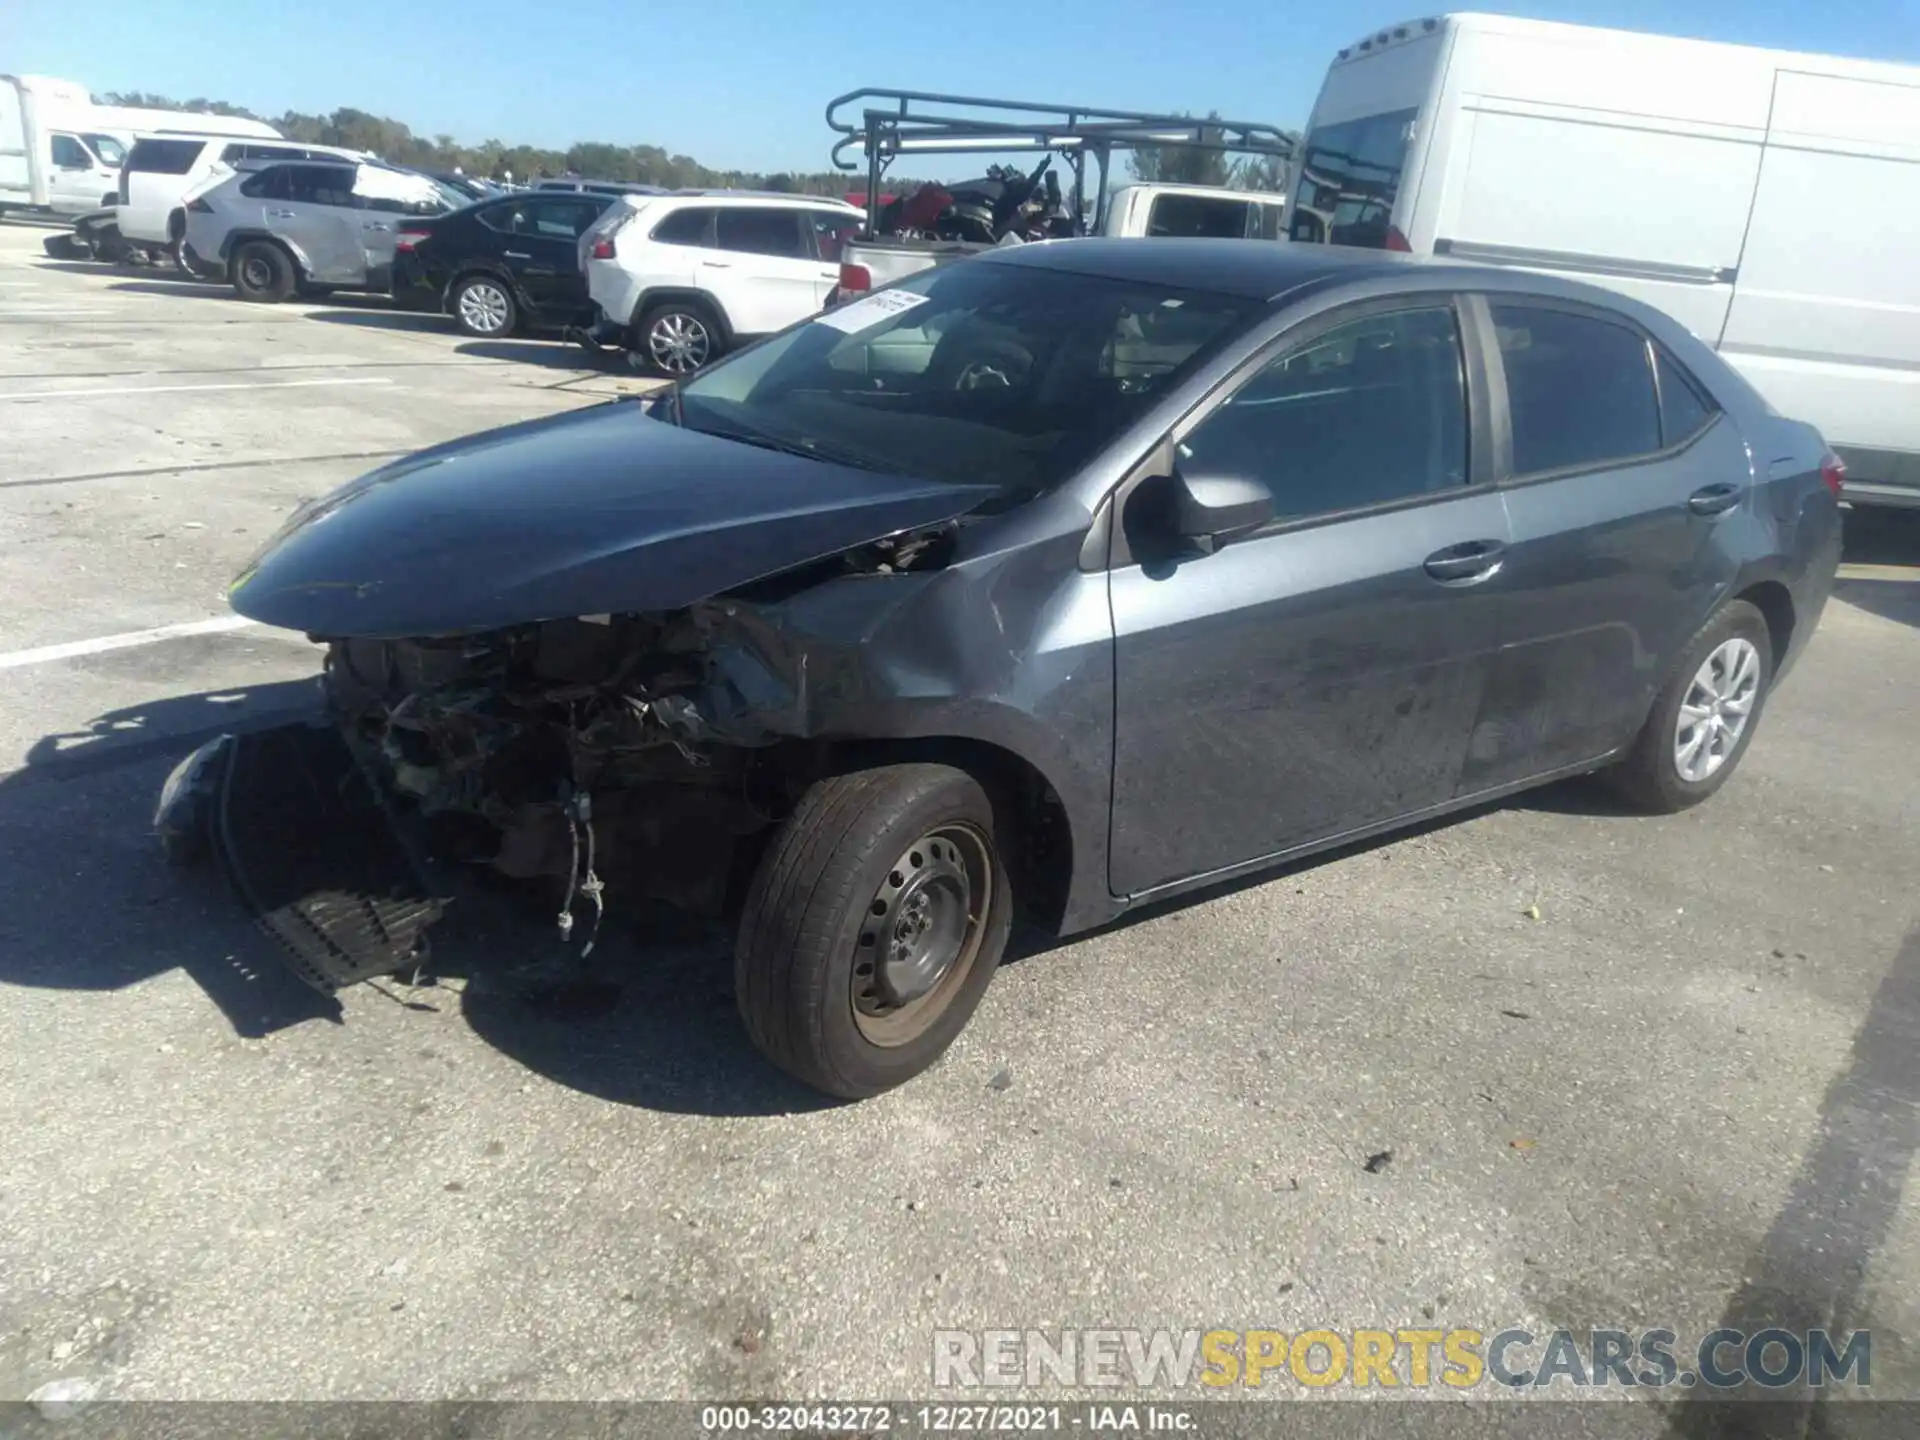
(1767, 200)
(55, 154)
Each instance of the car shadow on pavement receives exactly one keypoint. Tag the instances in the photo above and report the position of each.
(205, 289)
(368, 316)
(1812, 1268)
(92, 903)
(554, 352)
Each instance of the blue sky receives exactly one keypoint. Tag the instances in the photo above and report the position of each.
(742, 83)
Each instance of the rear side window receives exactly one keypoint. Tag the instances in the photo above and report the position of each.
(1685, 409)
(1370, 411)
(684, 227)
(1349, 179)
(321, 185)
(1579, 388)
(1198, 215)
(831, 231)
(268, 184)
(760, 232)
(165, 157)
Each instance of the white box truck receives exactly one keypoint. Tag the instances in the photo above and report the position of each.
(54, 157)
(1766, 199)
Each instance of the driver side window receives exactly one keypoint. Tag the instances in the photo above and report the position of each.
(1370, 411)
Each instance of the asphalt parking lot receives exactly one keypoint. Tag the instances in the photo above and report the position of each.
(1629, 1071)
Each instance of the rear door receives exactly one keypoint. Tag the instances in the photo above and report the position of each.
(763, 257)
(320, 220)
(830, 232)
(151, 183)
(542, 249)
(1626, 487)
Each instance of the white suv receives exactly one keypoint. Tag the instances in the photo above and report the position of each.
(680, 279)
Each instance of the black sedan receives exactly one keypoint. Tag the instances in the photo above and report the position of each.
(502, 264)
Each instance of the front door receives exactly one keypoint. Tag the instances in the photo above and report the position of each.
(764, 266)
(1624, 496)
(78, 183)
(1322, 675)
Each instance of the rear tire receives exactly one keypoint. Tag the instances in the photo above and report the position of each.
(873, 926)
(677, 338)
(483, 307)
(1704, 717)
(264, 273)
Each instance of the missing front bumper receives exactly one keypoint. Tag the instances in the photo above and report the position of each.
(309, 847)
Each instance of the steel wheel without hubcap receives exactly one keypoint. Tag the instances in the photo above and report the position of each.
(256, 272)
(678, 343)
(484, 307)
(1715, 711)
(921, 934)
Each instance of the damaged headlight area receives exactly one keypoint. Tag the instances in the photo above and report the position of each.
(608, 756)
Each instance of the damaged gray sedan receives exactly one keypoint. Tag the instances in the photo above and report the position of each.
(1073, 577)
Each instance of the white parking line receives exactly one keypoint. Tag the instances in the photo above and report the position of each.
(175, 389)
(40, 655)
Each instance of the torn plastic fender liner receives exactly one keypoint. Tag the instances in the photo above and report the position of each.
(310, 847)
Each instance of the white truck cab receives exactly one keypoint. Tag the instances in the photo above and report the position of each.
(1765, 199)
(1157, 208)
(54, 156)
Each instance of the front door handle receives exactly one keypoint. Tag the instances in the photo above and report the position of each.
(1467, 563)
(280, 214)
(1713, 499)
(717, 264)
(515, 255)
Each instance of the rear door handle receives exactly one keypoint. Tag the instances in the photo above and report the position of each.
(1467, 563)
(281, 214)
(1713, 499)
(515, 255)
(717, 264)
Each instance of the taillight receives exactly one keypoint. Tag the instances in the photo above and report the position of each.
(1833, 470)
(407, 239)
(198, 206)
(1397, 241)
(602, 249)
(855, 279)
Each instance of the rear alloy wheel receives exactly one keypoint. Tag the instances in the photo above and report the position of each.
(873, 926)
(1704, 717)
(677, 340)
(263, 272)
(482, 306)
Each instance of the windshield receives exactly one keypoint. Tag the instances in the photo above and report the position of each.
(974, 373)
(110, 150)
(1349, 179)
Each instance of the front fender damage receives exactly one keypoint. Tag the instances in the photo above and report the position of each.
(605, 757)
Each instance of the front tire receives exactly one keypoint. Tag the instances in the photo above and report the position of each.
(873, 926)
(1704, 717)
(263, 273)
(677, 339)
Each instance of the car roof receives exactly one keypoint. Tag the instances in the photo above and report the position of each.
(1269, 269)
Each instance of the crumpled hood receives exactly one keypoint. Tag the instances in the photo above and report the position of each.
(595, 512)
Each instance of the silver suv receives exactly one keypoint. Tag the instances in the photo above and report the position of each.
(307, 227)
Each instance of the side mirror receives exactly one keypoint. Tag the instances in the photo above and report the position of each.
(1211, 509)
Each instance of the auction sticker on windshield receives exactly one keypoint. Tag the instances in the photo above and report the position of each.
(865, 314)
